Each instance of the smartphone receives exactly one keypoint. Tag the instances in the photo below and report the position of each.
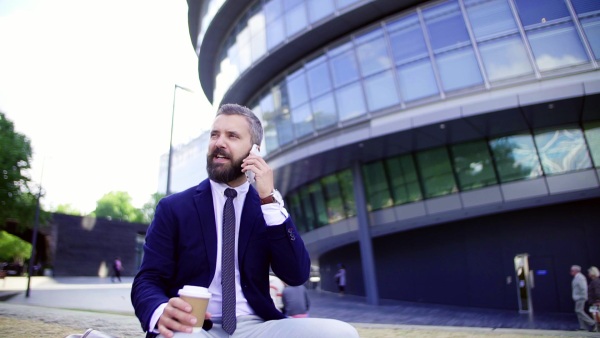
(250, 173)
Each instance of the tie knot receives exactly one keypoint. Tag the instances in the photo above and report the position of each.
(230, 193)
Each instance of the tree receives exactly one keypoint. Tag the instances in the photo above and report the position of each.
(117, 205)
(17, 202)
(149, 207)
(68, 209)
(12, 248)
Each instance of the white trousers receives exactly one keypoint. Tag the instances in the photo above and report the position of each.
(256, 327)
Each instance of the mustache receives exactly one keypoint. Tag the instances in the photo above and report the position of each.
(219, 151)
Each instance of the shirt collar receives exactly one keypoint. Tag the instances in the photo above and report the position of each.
(220, 187)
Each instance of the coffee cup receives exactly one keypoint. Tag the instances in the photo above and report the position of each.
(198, 298)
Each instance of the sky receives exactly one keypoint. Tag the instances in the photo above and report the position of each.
(91, 83)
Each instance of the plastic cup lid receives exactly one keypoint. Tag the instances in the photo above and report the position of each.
(194, 291)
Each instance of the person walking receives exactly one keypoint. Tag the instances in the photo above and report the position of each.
(340, 279)
(579, 289)
(117, 267)
(226, 234)
(594, 295)
(295, 301)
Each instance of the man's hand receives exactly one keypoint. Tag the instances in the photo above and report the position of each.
(264, 174)
(177, 317)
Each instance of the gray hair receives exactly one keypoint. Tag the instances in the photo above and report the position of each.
(576, 268)
(256, 129)
(593, 271)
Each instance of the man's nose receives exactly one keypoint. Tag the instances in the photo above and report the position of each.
(219, 142)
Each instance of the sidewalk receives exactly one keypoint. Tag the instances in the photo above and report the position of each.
(86, 294)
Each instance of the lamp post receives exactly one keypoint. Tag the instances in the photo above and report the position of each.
(171, 139)
(34, 235)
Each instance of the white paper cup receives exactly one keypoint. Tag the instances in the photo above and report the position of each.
(198, 298)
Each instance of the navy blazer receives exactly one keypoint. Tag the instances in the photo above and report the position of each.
(181, 249)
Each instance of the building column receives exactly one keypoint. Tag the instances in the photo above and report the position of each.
(364, 236)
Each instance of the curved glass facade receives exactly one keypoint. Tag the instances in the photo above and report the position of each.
(267, 25)
(426, 54)
(446, 170)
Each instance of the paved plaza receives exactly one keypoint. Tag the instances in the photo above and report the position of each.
(98, 303)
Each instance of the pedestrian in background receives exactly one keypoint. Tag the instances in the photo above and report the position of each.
(594, 295)
(117, 267)
(579, 289)
(295, 301)
(340, 279)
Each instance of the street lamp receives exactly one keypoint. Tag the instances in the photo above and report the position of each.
(171, 139)
(34, 235)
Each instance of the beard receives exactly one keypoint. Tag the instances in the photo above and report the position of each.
(223, 172)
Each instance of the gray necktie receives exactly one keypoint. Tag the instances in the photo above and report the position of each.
(228, 263)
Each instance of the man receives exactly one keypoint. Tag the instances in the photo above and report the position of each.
(117, 267)
(579, 289)
(295, 301)
(188, 243)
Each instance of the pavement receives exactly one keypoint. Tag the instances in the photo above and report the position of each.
(99, 303)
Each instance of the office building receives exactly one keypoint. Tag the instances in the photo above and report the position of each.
(445, 152)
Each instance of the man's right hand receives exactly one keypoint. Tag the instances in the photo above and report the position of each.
(176, 317)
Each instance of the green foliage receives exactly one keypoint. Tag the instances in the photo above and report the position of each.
(67, 209)
(12, 248)
(150, 206)
(117, 205)
(17, 202)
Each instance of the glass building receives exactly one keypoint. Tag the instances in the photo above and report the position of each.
(452, 147)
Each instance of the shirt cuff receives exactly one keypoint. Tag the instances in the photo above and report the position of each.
(156, 316)
(274, 213)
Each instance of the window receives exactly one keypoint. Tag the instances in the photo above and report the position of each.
(333, 197)
(309, 211)
(381, 91)
(350, 101)
(268, 111)
(403, 179)
(436, 172)
(343, 65)
(459, 69)
(505, 58)
(539, 11)
(324, 112)
(406, 39)
(318, 78)
(296, 88)
(347, 188)
(295, 206)
(591, 27)
(302, 119)
(415, 73)
(556, 47)
(318, 200)
(450, 42)
(473, 165)
(318, 9)
(372, 53)
(516, 158)
(592, 134)
(376, 186)
(295, 19)
(446, 27)
(490, 17)
(562, 150)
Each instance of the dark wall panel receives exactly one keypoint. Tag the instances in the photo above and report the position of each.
(84, 245)
(470, 262)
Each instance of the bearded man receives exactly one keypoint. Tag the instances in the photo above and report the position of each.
(225, 235)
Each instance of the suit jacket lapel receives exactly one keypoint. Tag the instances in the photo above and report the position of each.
(206, 218)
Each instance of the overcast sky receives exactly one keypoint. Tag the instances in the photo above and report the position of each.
(91, 84)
